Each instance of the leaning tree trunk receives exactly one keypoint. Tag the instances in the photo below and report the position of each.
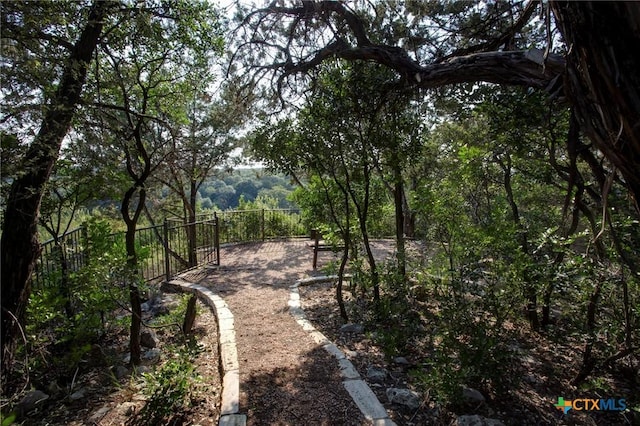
(132, 275)
(603, 78)
(19, 246)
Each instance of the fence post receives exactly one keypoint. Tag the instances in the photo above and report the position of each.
(85, 241)
(216, 237)
(165, 249)
(262, 225)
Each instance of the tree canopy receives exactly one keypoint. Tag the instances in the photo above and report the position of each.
(432, 44)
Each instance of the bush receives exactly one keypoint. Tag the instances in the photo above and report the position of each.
(170, 389)
(64, 327)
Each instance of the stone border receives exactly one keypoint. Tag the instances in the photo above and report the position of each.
(230, 404)
(359, 390)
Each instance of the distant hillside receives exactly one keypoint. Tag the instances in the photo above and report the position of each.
(224, 191)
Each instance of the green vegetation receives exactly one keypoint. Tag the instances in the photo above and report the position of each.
(506, 243)
(170, 389)
(498, 140)
(241, 186)
(66, 321)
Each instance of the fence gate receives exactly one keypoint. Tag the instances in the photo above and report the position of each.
(189, 245)
(174, 246)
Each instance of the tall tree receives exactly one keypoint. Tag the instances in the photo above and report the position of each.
(602, 78)
(48, 48)
(200, 145)
(19, 245)
(455, 42)
(146, 78)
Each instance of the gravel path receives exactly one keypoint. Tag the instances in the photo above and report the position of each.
(285, 377)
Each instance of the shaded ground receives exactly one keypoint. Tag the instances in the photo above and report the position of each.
(104, 392)
(285, 377)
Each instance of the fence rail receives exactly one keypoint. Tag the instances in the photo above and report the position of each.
(175, 246)
(238, 226)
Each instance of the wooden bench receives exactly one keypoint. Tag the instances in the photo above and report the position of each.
(320, 245)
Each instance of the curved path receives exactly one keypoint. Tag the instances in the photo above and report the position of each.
(285, 375)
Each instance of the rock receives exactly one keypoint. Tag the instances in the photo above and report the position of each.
(531, 379)
(149, 339)
(152, 355)
(121, 371)
(472, 396)
(352, 328)
(476, 420)
(145, 307)
(405, 397)
(166, 304)
(79, 394)
(376, 374)
(99, 414)
(401, 360)
(142, 369)
(30, 402)
(470, 420)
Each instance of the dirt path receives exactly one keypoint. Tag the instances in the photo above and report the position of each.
(285, 377)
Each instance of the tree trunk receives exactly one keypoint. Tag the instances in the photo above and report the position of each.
(341, 270)
(190, 315)
(19, 246)
(398, 199)
(588, 359)
(132, 268)
(603, 78)
(362, 210)
(530, 294)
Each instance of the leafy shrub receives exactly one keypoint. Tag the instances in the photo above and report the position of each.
(470, 345)
(169, 389)
(96, 290)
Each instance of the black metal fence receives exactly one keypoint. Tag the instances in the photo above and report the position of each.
(190, 244)
(164, 250)
(68, 251)
(259, 225)
(168, 249)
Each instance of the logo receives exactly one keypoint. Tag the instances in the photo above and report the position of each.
(585, 404)
(563, 405)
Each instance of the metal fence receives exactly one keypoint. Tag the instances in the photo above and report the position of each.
(190, 244)
(259, 225)
(66, 252)
(165, 250)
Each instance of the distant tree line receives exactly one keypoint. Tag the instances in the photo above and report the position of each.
(228, 191)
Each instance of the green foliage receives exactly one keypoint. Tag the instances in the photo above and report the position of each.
(399, 323)
(470, 345)
(176, 315)
(71, 321)
(8, 419)
(223, 192)
(170, 389)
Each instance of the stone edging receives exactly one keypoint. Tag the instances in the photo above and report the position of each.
(230, 404)
(359, 390)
